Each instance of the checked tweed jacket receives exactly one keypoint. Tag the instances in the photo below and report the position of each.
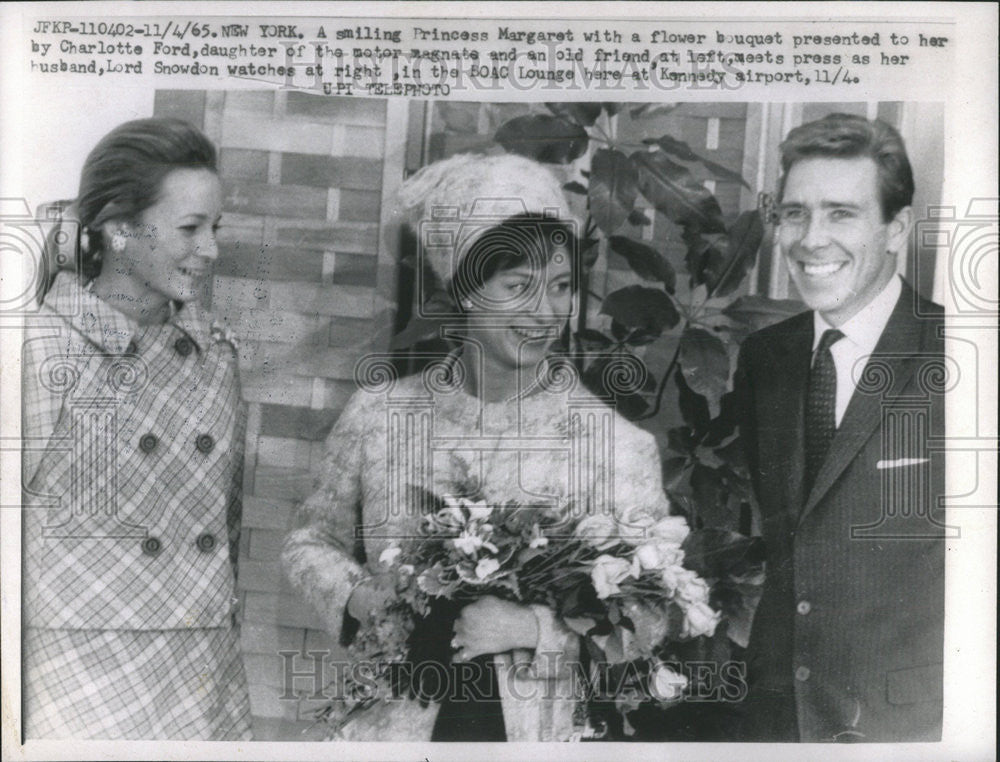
(132, 454)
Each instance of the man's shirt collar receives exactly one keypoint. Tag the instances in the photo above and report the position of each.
(866, 327)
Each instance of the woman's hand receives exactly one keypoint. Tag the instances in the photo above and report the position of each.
(492, 626)
(371, 595)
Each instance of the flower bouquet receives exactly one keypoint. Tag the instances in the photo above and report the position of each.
(622, 585)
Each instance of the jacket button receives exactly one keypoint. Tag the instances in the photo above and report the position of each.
(184, 346)
(148, 442)
(151, 546)
(205, 542)
(802, 674)
(804, 607)
(204, 443)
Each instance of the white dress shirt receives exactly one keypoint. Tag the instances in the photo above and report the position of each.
(861, 334)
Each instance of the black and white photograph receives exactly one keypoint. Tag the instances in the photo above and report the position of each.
(386, 381)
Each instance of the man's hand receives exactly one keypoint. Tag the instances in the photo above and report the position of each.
(491, 626)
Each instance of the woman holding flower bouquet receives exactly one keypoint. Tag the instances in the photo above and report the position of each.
(462, 479)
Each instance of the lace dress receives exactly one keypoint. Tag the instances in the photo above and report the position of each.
(559, 445)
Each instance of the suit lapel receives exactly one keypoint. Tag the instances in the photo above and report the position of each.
(783, 408)
(892, 357)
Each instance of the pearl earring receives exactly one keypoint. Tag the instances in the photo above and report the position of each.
(118, 242)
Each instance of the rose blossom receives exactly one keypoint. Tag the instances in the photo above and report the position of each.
(691, 587)
(671, 528)
(658, 554)
(666, 684)
(598, 531)
(648, 555)
(700, 619)
(607, 573)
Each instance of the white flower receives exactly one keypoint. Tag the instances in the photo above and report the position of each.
(538, 540)
(486, 567)
(648, 556)
(666, 684)
(598, 531)
(691, 588)
(659, 554)
(452, 513)
(388, 556)
(700, 619)
(608, 572)
(468, 543)
(669, 578)
(673, 529)
(636, 526)
(406, 570)
(478, 511)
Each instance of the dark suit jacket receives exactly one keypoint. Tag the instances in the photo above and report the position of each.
(847, 641)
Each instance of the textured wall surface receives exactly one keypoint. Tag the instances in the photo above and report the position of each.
(296, 280)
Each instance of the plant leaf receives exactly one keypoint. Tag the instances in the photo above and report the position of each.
(417, 330)
(574, 187)
(682, 151)
(704, 362)
(745, 236)
(681, 440)
(613, 189)
(645, 261)
(650, 309)
(758, 312)
(580, 625)
(638, 218)
(674, 191)
(693, 407)
(459, 117)
(544, 138)
(673, 471)
(711, 497)
(581, 112)
(715, 552)
(652, 109)
(593, 340)
(615, 382)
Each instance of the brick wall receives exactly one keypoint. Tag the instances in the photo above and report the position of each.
(305, 277)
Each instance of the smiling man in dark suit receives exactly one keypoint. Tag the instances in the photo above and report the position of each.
(839, 405)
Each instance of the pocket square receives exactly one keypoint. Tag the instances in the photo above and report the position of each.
(884, 464)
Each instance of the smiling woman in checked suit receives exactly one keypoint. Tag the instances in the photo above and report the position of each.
(133, 448)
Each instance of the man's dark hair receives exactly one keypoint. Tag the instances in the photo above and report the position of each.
(845, 136)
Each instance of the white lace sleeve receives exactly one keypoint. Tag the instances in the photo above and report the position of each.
(319, 555)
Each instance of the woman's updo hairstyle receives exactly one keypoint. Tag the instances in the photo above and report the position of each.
(124, 173)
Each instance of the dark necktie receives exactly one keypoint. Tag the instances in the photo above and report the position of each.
(821, 406)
